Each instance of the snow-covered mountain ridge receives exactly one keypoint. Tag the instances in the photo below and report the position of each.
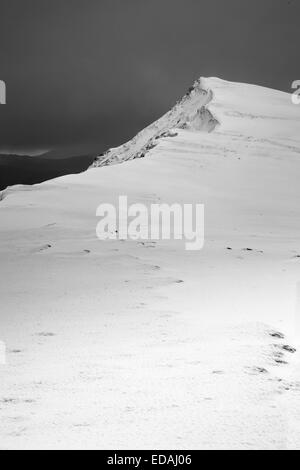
(191, 112)
(209, 104)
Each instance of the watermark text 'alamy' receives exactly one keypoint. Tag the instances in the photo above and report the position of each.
(156, 222)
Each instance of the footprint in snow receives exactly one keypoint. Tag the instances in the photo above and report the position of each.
(151, 267)
(15, 351)
(42, 248)
(276, 334)
(148, 244)
(46, 334)
(286, 348)
(249, 250)
(257, 370)
(16, 401)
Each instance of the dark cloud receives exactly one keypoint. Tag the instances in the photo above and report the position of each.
(86, 75)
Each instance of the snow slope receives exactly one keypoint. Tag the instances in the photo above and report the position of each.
(123, 344)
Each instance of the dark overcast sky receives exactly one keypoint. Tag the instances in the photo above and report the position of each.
(84, 75)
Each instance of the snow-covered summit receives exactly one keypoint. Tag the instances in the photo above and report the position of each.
(211, 102)
(191, 112)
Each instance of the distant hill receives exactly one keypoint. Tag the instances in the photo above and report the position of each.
(19, 169)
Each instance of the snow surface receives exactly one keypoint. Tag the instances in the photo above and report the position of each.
(106, 346)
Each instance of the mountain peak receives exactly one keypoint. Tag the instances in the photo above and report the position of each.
(191, 113)
(238, 107)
